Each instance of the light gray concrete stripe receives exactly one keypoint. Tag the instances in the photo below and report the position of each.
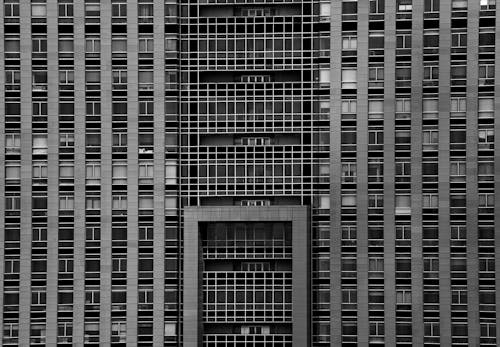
(52, 170)
(416, 174)
(471, 173)
(444, 172)
(80, 173)
(26, 146)
(159, 175)
(335, 174)
(389, 173)
(105, 316)
(362, 166)
(132, 173)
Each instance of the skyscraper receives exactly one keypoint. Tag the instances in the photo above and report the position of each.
(249, 173)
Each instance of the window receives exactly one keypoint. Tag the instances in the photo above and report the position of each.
(119, 172)
(255, 329)
(119, 202)
(119, 264)
(376, 137)
(39, 144)
(65, 10)
(488, 4)
(486, 200)
(170, 329)
(38, 10)
(349, 106)
(146, 45)
(431, 72)
(459, 4)
(145, 80)
(349, 42)
(375, 74)
(431, 329)
(92, 202)
(377, 6)
(430, 137)
(375, 200)
(120, 76)
(430, 200)
(92, 45)
(65, 265)
(457, 170)
(459, 40)
(93, 172)
(486, 74)
(459, 297)
(431, 39)
(39, 45)
(146, 233)
(376, 41)
(66, 45)
(66, 202)
(170, 172)
(431, 5)
(403, 296)
(375, 109)
(39, 169)
(403, 168)
(118, 45)
(66, 139)
(348, 200)
(146, 202)
(403, 41)
(92, 9)
(403, 73)
(12, 170)
(349, 79)
(119, 10)
(118, 331)
(348, 172)
(12, 143)
(120, 139)
(12, 203)
(485, 107)
(66, 170)
(403, 204)
(324, 9)
(486, 136)
(11, 10)
(92, 77)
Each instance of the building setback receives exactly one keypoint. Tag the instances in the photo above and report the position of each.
(249, 173)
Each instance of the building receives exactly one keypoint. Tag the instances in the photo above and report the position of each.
(249, 173)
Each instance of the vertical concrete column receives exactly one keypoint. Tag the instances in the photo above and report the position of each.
(106, 172)
(335, 174)
(26, 174)
(159, 174)
(52, 170)
(132, 172)
(444, 172)
(362, 177)
(471, 165)
(389, 173)
(80, 175)
(417, 264)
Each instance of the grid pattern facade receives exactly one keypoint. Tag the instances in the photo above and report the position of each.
(414, 91)
(378, 114)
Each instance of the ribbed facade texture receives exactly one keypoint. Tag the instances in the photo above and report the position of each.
(249, 173)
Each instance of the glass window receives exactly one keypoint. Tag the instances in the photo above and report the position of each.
(38, 10)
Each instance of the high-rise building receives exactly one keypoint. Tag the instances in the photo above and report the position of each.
(249, 173)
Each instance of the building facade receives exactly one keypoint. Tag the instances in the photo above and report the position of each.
(249, 173)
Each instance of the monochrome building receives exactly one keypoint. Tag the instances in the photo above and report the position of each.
(249, 173)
